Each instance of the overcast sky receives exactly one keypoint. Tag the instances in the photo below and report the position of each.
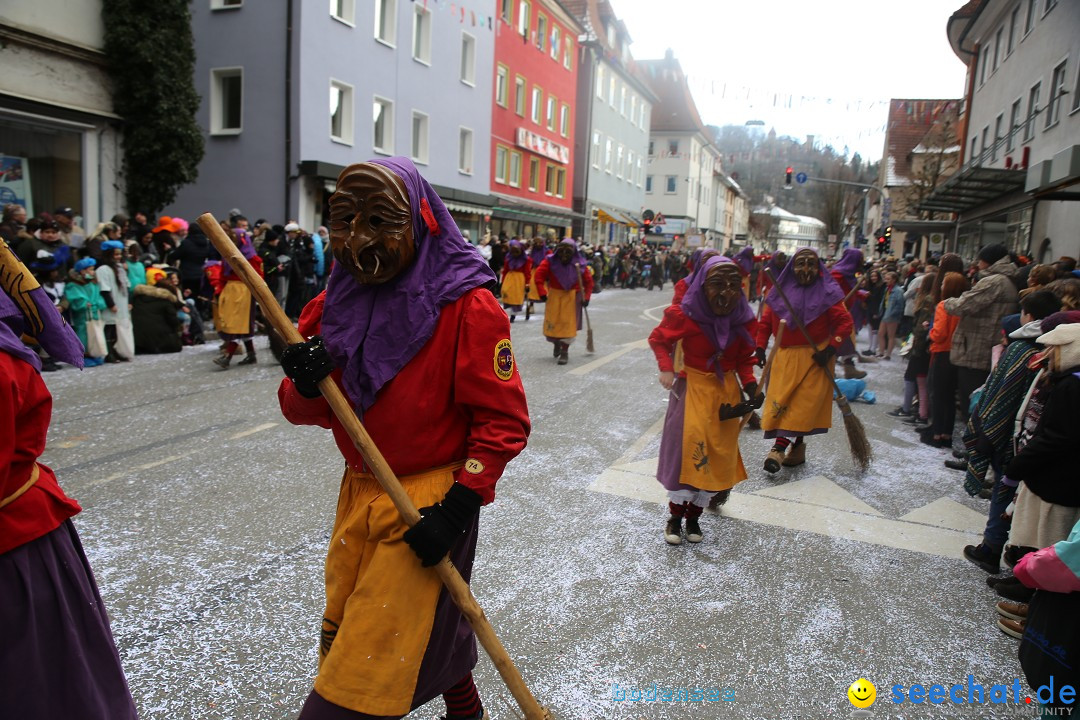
(820, 67)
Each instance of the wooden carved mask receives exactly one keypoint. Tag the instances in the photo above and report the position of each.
(371, 232)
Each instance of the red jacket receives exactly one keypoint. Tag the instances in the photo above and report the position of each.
(25, 409)
(526, 268)
(834, 325)
(453, 401)
(698, 349)
(543, 274)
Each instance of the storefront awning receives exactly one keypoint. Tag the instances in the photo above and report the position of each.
(466, 208)
(514, 209)
(972, 187)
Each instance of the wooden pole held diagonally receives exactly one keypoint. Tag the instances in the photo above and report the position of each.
(455, 585)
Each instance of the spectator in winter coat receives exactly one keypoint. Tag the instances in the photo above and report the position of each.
(981, 310)
(154, 317)
(892, 312)
(194, 250)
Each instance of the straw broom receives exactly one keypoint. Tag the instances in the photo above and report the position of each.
(456, 586)
(861, 452)
(588, 325)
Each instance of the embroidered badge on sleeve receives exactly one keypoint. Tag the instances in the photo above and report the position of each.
(504, 360)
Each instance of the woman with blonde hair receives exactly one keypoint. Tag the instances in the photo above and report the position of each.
(102, 233)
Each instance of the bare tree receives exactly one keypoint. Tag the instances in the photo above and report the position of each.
(933, 161)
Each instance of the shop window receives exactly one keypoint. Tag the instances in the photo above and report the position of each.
(226, 101)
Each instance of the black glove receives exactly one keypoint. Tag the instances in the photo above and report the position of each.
(729, 412)
(760, 355)
(306, 364)
(442, 524)
(753, 398)
(822, 356)
(584, 303)
(543, 298)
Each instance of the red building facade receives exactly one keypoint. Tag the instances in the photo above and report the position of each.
(532, 140)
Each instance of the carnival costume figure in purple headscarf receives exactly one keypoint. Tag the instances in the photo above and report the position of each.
(410, 330)
(798, 400)
(565, 284)
(516, 274)
(235, 320)
(699, 450)
(744, 260)
(59, 659)
(846, 273)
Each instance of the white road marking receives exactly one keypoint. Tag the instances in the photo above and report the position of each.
(601, 361)
(648, 314)
(815, 505)
(252, 431)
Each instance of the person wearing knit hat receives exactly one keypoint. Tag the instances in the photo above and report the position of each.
(981, 310)
(85, 304)
(112, 278)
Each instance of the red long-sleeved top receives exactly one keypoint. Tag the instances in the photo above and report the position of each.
(680, 292)
(834, 325)
(944, 327)
(25, 410)
(543, 274)
(447, 405)
(526, 268)
(698, 349)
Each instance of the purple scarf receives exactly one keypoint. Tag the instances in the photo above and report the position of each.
(538, 255)
(745, 260)
(515, 263)
(849, 263)
(47, 328)
(717, 328)
(247, 249)
(567, 274)
(812, 300)
(373, 331)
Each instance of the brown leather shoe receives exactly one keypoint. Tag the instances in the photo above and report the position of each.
(1013, 610)
(1012, 628)
(796, 455)
(773, 460)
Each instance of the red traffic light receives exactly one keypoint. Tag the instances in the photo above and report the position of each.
(790, 170)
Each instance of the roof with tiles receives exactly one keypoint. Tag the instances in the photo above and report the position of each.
(910, 121)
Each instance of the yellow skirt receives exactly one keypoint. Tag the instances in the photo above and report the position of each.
(234, 309)
(799, 398)
(380, 602)
(708, 447)
(513, 289)
(562, 316)
(534, 294)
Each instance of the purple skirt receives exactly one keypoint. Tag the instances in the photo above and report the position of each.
(58, 658)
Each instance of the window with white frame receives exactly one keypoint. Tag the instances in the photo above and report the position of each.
(556, 42)
(550, 182)
(641, 115)
(1014, 124)
(386, 21)
(619, 161)
(1057, 91)
(419, 137)
(611, 91)
(520, 99)
(609, 156)
(468, 59)
(648, 184)
(671, 184)
(514, 179)
(537, 102)
(343, 10)
(600, 82)
(997, 46)
(541, 32)
(382, 121)
(640, 171)
(501, 78)
(985, 61)
(506, 10)
(226, 101)
(973, 158)
(500, 163)
(568, 52)
(633, 107)
(560, 183)
(524, 19)
(630, 166)
(552, 110)
(999, 126)
(1076, 92)
(226, 4)
(534, 174)
(341, 112)
(1029, 19)
(622, 99)
(595, 149)
(1014, 27)
(564, 120)
(985, 144)
(1033, 110)
(465, 151)
(421, 43)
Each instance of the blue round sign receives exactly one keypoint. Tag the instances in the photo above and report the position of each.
(800, 178)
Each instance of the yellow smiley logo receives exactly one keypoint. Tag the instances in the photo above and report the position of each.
(862, 693)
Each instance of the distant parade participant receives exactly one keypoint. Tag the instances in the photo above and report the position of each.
(58, 658)
(775, 265)
(696, 258)
(744, 260)
(798, 400)
(699, 449)
(565, 284)
(516, 273)
(235, 318)
(412, 333)
(846, 274)
(537, 253)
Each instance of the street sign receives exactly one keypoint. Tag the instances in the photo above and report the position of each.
(800, 178)
(659, 219)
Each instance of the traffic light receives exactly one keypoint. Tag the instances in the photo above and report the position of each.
(787, 178)
(888, 234)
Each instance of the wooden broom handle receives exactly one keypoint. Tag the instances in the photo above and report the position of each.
(456, 586)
